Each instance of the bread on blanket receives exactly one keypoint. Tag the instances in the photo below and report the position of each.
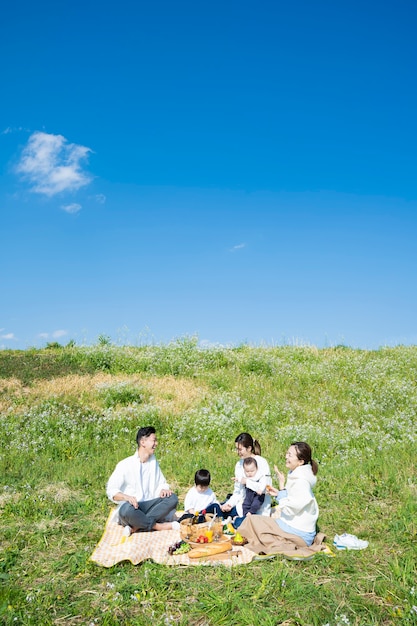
(209, 549)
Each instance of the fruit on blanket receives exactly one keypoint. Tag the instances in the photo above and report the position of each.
(183, 549)
(239, 538)
(180, 547)
(202, 539)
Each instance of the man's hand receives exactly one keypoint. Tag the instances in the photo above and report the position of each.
(123, 497)
(165, 493)
(225, 508)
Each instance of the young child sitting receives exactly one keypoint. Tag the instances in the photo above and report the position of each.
(253, 499)
(200, 496)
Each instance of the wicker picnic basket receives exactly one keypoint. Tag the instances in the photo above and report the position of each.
(190, 532)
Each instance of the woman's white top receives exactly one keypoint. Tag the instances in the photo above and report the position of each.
(297, 505)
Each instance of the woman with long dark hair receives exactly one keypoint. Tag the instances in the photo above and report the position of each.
(246, 447)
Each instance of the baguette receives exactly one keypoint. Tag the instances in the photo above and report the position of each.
(209, 549)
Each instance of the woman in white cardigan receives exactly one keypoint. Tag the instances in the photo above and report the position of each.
(297, 507)
(297, 510)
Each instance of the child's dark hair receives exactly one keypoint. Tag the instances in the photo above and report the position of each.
(202, 478)
(250, 460)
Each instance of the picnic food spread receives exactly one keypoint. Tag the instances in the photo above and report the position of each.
(203, 539)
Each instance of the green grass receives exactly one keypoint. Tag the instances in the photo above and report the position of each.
(68, 414)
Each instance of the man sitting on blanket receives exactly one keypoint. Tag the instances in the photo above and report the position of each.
(145, 500)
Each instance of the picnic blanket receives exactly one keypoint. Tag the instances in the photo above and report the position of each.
(114, 548)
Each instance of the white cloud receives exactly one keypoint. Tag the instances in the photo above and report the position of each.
(56, 334)
(8, 336)
(9, 130)
(59, 333)
(207, 344)
(238, 247)
(100, 198)
(52, 165)
(71, 208)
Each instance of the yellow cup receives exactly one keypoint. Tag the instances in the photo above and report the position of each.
(209, 535)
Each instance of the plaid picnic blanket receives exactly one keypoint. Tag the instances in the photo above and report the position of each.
(114, 548)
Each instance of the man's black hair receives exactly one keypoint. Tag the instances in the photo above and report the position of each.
(145, 431)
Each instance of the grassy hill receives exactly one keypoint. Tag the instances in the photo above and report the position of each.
(68, 414)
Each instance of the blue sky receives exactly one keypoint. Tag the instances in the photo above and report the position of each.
(244, 172)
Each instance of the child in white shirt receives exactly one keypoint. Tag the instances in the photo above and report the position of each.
(200, 496)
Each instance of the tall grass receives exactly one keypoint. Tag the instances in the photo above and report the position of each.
(67, 415)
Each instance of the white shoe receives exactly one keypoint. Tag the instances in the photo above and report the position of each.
(175, 525)
(349, 542)
(127, 531)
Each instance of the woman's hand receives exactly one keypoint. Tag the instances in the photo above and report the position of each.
(280, 477)
(272, 491)
(225, 508)
(165, 493)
